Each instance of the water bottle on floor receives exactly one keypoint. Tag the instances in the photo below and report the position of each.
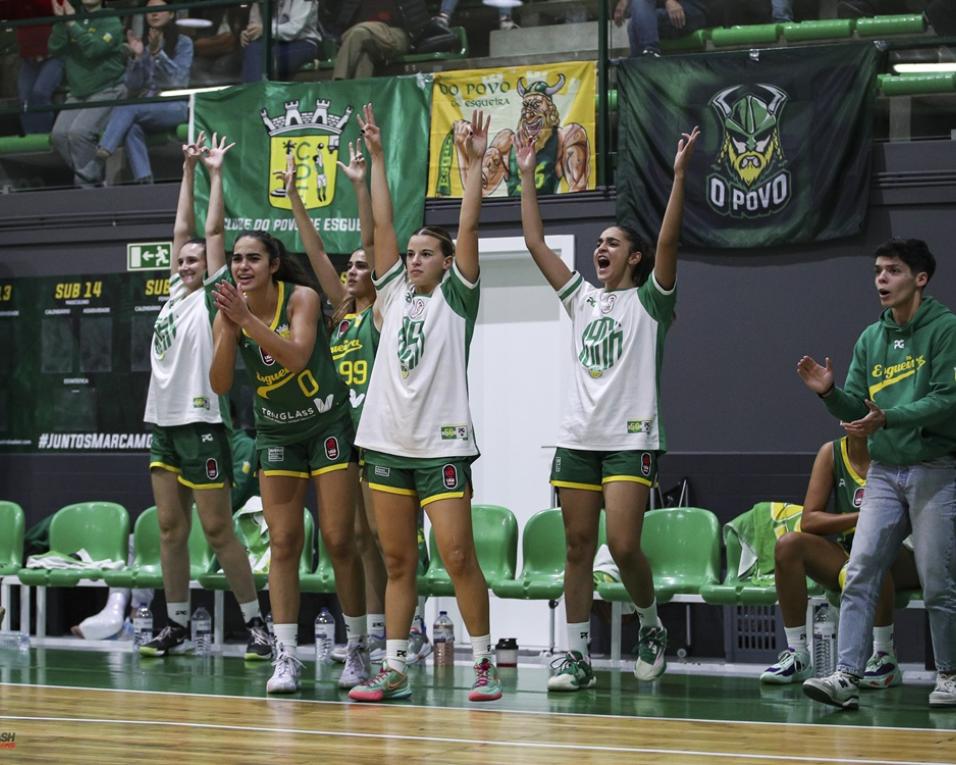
(14, 641)
(443, 640)
(324, 636)
(142, 626)
(824, 640)
(201, 632)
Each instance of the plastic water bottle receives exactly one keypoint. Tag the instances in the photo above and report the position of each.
(824, 640)
(443, 639)
(14, 641)
(324, 636)
(201, 632)
(142, 625)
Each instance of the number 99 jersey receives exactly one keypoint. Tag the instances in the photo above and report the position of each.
(354, 342)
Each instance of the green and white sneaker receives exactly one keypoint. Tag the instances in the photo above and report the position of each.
(572, 672)
(791, 667)
(487, 686)
(651, 644)
(387, 684)
(882, 671)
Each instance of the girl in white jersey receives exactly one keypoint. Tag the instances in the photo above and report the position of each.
(416, 427)
(189, 457)
(610, 433)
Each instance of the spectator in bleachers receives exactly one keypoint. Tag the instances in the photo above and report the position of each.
(295, 39)
(91, 48)
(448, 10)
(374, 33)
(217, 56)
(39, 73)
(161, 60)
(652, 19)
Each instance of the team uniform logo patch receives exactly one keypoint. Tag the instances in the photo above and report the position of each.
(602, 343)
(858, 497)
(212, 468)
(332, 448)
(646, 463)
(449, 476)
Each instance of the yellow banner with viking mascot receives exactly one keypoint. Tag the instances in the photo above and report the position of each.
(551, 104)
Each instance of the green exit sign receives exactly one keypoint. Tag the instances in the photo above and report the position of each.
(148, 256)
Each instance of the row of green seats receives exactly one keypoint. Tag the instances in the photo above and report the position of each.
(38, 143)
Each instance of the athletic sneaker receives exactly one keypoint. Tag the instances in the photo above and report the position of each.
(840, 689)
(387, 684)
(419, 646)
(172, 639)
(357, 666)
(259, 647)
(651, 643)
(285, 676)
(487, 686)
(882, 671)
(376, 649)
(791, 667)
(944, 694)
(572, 672)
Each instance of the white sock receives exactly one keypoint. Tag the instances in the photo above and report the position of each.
(287, 636)
(883, 639)
(376, 624)
(481, 647)
(796, 637)
(648, 616)
(579, 635)
(396, 654)
(179, 613)
(355, 627)
(250, 610)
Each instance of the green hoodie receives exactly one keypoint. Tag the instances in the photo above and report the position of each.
(908, 371)
(92, 51)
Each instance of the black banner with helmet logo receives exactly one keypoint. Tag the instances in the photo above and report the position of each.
(784, 153)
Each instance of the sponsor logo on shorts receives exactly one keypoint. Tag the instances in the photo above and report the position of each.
(332, 448)
(638, 426)
(382, 471)
(557, 464)
(212, 468)
(858, 497)
(206, 438)
(646, 462)
(449, 476)
(201, 402)
(276, 453)
(454, 432)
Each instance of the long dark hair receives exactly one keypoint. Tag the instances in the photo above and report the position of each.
(170, 33)
(348, 304)
(644, 267)
(289, 270)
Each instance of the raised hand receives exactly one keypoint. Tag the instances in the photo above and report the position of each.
(231, 303)
(472, 137)
(525, 154)
(68, 8)
(355, 169)
(685, 150)
(287, 176)
(213, 157)
(816, 378)
(57, 8)
(371, 131)
(193, 151)
(867, 425)
(135, 44)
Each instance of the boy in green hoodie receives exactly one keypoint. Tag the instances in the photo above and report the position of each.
(900, 393)
(92, 51)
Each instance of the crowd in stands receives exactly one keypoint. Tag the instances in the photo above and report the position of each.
(92, 56)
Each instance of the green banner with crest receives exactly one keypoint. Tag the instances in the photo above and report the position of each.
(315, 122)
(784, 152)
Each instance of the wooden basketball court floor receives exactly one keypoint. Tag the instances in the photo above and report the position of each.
(72, 706)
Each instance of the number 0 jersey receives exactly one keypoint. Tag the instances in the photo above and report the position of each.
(617, 345)
(180, 355)
(292, 407)
(354, 342)
(417, 403)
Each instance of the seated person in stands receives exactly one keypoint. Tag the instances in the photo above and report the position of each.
(650, 20)
(39, 73)
(161, 60)
(839, 469)
(217, 53)
(295, 39)
(91, 49)
(374, 33)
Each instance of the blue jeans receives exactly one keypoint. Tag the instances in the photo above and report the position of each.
(781, 10)
(648, 24)
(36, 82)
(897, 498)
(290, 57)
(129, 124)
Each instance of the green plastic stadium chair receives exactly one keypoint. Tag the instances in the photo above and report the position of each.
(12, 521)
(882, 26)
(682, 545)
(543, 553)
(818, 29)
(146, 570)
(917, 84)
(496, 543)
(753, 34)
(100, 528)
(217, 580)
(693, 42)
